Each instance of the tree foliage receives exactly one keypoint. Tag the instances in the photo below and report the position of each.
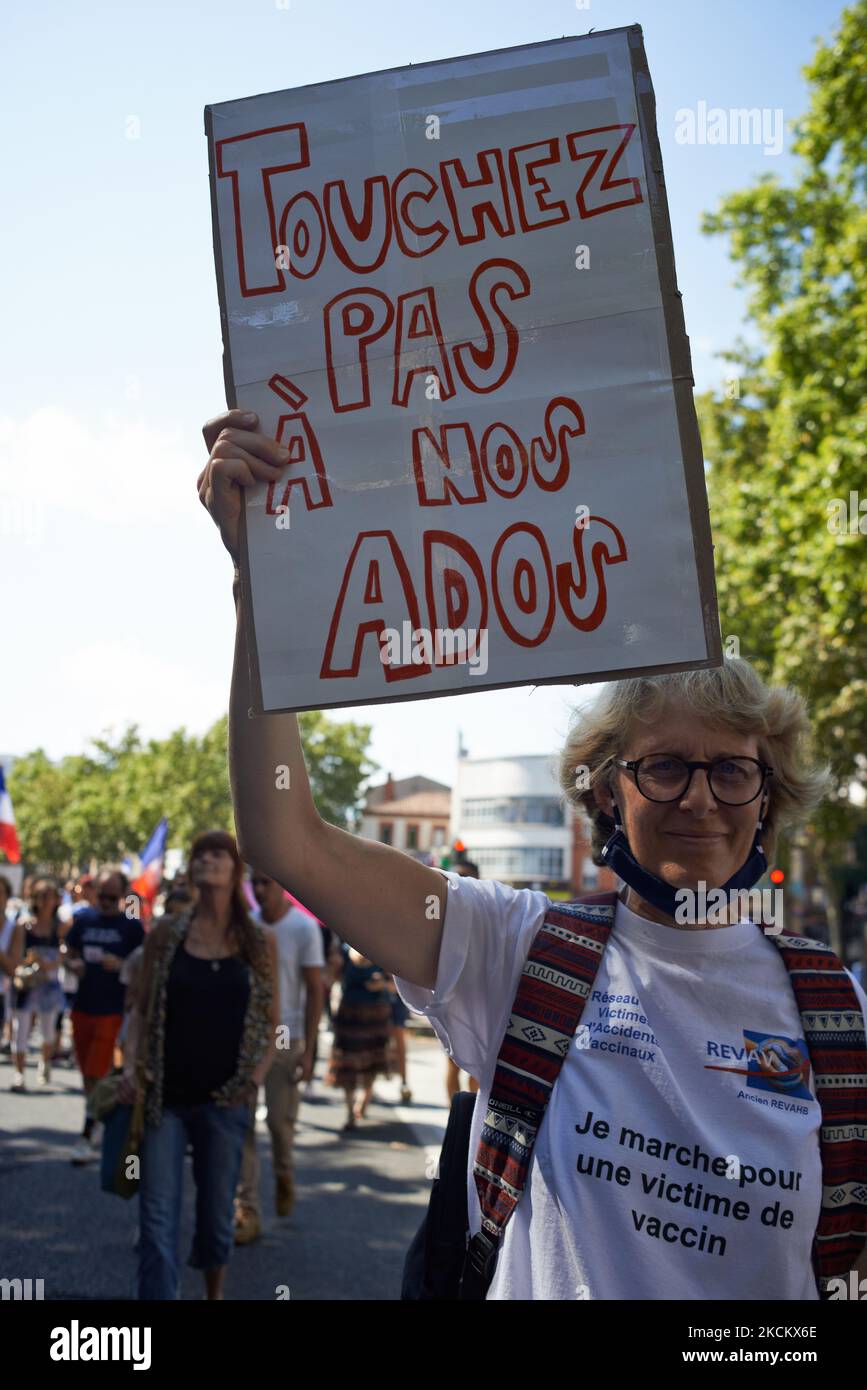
(789, 435)
(105, 803)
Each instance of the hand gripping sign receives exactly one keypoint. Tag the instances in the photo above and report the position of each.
(449, 290)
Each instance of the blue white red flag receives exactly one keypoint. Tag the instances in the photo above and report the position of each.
(8, 833)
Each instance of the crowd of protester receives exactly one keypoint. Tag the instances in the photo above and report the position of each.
(193, 1001)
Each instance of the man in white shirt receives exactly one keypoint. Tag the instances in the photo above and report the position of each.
(301, 960)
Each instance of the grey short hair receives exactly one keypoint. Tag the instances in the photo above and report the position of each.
(732, 696)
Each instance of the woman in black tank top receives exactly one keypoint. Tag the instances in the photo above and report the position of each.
(209, 981)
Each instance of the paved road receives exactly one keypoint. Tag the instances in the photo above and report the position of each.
(360, 1196)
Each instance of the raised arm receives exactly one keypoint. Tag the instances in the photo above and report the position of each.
(386, 904)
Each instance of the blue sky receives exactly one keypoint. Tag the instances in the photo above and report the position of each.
(111, 355)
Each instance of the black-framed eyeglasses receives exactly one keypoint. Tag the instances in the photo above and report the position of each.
(666, 777)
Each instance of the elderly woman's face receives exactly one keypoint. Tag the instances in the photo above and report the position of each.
(695, 837)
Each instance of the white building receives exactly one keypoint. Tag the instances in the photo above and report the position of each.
(510, 816)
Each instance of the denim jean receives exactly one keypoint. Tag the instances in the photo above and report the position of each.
(217, 1134)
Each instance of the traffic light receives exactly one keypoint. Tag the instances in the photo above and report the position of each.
(456, 855)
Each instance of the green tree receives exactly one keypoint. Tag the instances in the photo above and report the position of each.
(789, 434)
(337, 764)
(105, 803)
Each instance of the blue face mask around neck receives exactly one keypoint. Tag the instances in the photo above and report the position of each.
(619, 858)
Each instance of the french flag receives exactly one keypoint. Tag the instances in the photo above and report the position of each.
(8, 834)
(147, 884)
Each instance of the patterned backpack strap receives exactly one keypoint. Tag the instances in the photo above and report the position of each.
(834, 1030)
(555, 984)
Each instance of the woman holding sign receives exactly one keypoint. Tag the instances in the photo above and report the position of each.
(676, 1089)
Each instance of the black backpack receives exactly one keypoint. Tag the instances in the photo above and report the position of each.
(434, 1265)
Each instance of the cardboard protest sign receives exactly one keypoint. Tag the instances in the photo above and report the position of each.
(449, 291)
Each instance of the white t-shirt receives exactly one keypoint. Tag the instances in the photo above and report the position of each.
(644, 1209)
(299, 943)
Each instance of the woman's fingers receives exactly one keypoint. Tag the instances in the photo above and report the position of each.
(252, 447)
(222, 474)
(229, 441)
(239, 457)
(238, 419)
(224, 435)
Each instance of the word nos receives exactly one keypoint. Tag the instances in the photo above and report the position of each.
(412, 212)
(737, 126)
(75, 1343)
(762, 905)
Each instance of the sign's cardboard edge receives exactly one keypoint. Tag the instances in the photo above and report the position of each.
(597, 678)
(428, 63)
(679, 354)
(255, 681)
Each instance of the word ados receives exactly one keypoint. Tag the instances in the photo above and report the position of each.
(525, 590)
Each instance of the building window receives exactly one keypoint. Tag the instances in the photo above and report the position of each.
(412, 837)
(385, 832)
(512, 810)
(544, 862)
(439, 836)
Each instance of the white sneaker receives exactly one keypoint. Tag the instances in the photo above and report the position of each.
(18, 1082)
(43, 1074)
(82, 1152)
